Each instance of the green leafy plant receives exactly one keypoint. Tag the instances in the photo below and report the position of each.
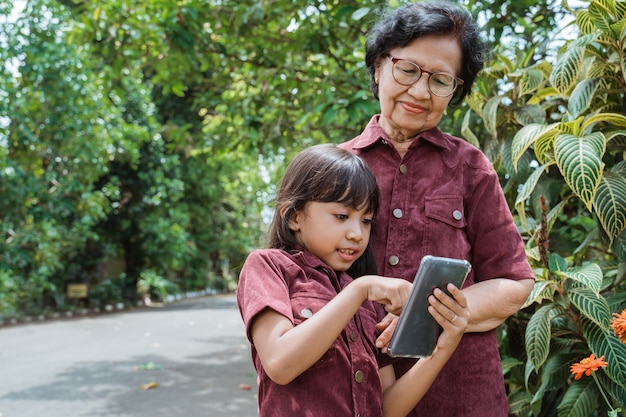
(153, 287)
(557, 134)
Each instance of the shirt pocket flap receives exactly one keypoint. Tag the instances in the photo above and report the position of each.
(447, 209)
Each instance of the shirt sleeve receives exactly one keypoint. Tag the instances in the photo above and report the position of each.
(499, 250)
(262, 285)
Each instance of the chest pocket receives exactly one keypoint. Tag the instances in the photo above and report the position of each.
(445, 233)
(304, 306)
(447, 209)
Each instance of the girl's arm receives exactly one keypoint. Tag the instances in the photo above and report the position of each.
(286, 351)
(400, 396)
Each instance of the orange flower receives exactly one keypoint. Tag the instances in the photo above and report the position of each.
(618, 323)
(587, 366)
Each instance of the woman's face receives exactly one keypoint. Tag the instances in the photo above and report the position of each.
(409, 110)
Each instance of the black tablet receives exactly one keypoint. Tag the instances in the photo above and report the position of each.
(417, 331)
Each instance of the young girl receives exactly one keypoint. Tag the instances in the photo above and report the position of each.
(311, 325)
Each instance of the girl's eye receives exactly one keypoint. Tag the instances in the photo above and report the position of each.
(367, 221)
(341, 216)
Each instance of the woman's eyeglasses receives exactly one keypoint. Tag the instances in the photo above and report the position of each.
(440, 84)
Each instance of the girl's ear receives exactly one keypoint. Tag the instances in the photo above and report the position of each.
(293, 217)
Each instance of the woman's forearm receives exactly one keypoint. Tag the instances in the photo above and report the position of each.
(493, 301)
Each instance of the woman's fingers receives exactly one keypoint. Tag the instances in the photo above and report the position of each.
(388, 326)
(450, 310)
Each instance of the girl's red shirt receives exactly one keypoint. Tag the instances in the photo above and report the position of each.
(345, 381)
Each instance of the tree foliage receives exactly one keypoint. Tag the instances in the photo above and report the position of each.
(140, 144)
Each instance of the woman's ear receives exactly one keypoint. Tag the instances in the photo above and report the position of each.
(377, 65)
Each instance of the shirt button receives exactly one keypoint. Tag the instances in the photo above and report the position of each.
(457, 215)
(393, 260)
(353, 336)
(404, 169)
(306, 313)
(397, 213)
(359, 377)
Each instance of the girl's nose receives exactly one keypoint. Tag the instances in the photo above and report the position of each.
(355, 232)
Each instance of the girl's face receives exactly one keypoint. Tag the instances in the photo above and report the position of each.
(334, 232)
(409, 110)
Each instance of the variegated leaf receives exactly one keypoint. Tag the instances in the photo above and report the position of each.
(467, 132)
(557, 263)
(580, 399)
(532, 253)
(554, 372)
(541, 95)
(615, 134)
(615, 119)
(623, 63)
(620, 10)
(580, 161)
(490, 114)
(619, 245)
(531, 80)
(619, 29)
(600, 16)
(527, 136)
(603, 342)
(591, 305)
(567, 68)
(530, 114)
(582, 96)
(584, 22)
(589, 275)
(542, 290)
(553, 214)
(525, 192)
(538, 332)
(610, 203)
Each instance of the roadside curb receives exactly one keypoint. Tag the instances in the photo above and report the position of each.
(83, 312)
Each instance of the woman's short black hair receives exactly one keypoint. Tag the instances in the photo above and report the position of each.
(398, 27)
(324, 173)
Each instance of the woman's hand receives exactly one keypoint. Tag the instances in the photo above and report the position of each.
(386, 326)
(452, 315)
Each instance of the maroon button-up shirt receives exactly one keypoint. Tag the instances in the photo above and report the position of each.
(444, 198)
(345, 381)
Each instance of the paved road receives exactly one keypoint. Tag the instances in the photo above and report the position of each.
(195, 350)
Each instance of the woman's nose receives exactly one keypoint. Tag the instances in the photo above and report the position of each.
(420, 88)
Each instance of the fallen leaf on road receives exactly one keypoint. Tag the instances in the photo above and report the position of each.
(245, 387)
(149, 385)
(148, 366)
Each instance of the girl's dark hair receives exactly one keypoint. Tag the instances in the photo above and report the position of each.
(324, 173)
(399, 27)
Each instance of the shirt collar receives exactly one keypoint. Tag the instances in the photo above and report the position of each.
(304, 257)
(373, 134)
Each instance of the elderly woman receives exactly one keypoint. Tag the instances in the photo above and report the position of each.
(440, 195)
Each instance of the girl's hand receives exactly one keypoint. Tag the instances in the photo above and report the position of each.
(452, 315)
(391, 292)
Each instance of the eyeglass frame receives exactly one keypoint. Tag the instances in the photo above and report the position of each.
(458, 80)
